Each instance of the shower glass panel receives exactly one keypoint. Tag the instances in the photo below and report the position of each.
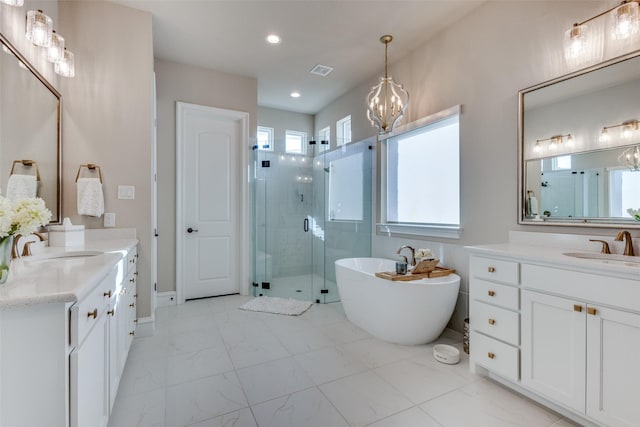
(309, 210)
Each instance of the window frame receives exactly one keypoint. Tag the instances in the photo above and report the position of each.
(270, 132)
(383, 226)
(340, 138)
(325, 131)
(303, 137)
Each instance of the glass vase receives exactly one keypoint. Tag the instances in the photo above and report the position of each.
(6, 243)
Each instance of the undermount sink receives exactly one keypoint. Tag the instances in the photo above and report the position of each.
(61, 255)
(632, 261)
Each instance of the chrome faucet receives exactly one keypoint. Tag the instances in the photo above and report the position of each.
(628, 247)
(413, 253)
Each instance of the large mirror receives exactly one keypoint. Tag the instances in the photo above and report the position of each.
(30, 131)
(579, 147)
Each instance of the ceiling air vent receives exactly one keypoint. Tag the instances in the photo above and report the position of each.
(321, 70)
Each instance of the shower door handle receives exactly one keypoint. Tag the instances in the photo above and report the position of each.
(306, 225)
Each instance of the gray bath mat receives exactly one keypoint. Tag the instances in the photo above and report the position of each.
(289, 307)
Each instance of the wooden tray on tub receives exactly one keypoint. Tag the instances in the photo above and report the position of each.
(393, 276)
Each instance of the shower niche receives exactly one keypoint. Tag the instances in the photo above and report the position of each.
(309, 210)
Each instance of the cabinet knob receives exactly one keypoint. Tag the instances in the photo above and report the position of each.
(135, 273)
(577, 307)
(491, 355)
(107, 294)
(132, 280)
(132, 333)
(135, 320)
(93, 313)
(132, 305)
(491, 269)
(492, 321)
(592, 311)
(111, 312)
(135, 295)
(491, 293)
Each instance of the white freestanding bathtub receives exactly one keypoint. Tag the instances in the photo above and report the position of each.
(409, 313)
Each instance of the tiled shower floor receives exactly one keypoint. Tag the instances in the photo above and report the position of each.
(210, 364)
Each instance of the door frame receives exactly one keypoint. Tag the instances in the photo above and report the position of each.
(244, 235)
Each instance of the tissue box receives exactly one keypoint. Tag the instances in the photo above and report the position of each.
(66, 235)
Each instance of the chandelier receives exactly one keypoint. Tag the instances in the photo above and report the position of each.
(631, 158)
(388, 100)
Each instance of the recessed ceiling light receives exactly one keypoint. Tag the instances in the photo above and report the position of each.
(295, 94)
(273, 39)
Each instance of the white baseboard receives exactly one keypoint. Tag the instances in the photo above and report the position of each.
(166, 299)
(145, 327)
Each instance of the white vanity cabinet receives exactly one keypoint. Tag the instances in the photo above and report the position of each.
(581, 340)
(494, 315)
(65, 331)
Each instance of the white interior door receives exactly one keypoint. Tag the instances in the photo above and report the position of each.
(209, 142)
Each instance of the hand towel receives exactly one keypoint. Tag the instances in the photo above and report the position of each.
(21, 187)
(90, 197)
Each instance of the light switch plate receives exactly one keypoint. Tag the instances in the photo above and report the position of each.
(126, 192)
(109, 219)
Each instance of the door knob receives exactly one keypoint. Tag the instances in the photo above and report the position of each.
(191, 230)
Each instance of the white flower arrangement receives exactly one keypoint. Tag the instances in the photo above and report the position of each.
(635, 213)
(23, 216)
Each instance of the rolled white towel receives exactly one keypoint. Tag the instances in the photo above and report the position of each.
(21, 187)
(90, 197)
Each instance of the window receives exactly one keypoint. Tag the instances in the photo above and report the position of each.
(265, 138)
(421, 178)
(324, 135)
(343, 131)
(294, 142)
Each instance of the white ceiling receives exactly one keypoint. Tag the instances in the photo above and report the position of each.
(229, 36)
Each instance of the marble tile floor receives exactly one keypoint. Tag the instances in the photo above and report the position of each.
(210, 364)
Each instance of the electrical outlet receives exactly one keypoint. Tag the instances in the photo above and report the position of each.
(109, 219)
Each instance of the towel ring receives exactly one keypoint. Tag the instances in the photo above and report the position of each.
(27, 163)
(91, 167)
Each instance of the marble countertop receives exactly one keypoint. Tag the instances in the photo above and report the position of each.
(40, 279)
(614, 265)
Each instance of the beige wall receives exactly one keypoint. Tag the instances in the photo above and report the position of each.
(107, 117)
(281, 121)
(178, 82)
(481, 62)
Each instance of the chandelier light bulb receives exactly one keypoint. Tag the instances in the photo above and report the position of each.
(16, 3)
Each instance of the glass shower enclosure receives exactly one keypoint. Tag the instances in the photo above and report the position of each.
(309, 209)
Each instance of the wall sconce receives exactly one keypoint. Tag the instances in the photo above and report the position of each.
(39, 28)
(627, 132)
(66, 66)
(631, 158)
(388, 100)
(16, 3)
(554, 142)
(582, 44)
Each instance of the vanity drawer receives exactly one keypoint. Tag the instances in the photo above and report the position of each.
(496, 322)
(496, 356)
(495, 293)
(85, 313)
(494, 269)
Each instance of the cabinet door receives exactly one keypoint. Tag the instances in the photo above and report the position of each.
(613, 371)
(90, 378)
(553, 348)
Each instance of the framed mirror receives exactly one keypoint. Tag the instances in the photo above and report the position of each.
(30, 131)
(579, 147)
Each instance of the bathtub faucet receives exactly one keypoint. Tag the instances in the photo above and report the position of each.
(413, 253)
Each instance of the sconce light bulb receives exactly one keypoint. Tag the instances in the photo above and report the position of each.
(569, 139)
(604, 136)
(625, 20)
(536, 148)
